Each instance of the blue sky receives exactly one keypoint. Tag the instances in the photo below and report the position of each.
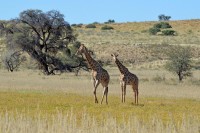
(89, 11)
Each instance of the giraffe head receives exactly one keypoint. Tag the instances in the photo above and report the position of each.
(114, 56)
(81, 49)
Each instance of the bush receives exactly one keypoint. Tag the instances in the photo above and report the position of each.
(153, 31)
(165, 25)
(106, 27)
(90, 26)
(158, 25)
(110, 21)
(73, 25)
(168, 32)
(162, 25)
(95, 23)
(77, 25)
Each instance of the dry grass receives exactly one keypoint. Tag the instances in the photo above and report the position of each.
(32, 102)
(152, 83)
(134, 43)
(67, 123)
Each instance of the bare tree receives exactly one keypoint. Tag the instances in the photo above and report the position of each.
(12, 60)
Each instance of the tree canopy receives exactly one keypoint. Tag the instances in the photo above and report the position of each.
(179, 61)
(46, 37)
(163, 17)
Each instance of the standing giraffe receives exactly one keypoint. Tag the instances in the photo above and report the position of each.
(99, 74)
(126, 78)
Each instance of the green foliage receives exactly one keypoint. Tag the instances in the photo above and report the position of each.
(90, 26)
(95, 23)
(106, 27)
(110, 21)
(157, 25)
(165, 25)
(168, 32)
(45, 36)
(77, 25)
(162, 25)
(153, 31)
(179, 61)
(162, 17)
(73, 25)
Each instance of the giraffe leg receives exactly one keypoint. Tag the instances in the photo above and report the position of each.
(94, 82)
(106, 95)
(105, 92)
(124, 92)
(137, 96)
(95, 88)
(135, 90)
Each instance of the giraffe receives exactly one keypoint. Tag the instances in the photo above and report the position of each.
(99, 74)
(126, 78)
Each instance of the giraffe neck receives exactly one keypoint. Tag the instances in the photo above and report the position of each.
(92, 63)
(121, 67)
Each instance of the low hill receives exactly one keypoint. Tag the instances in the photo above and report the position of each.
(134, 44)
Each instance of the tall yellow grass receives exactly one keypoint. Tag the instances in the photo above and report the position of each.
(32, 102)
(67, 123)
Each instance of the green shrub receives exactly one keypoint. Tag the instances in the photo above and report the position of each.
(95, 23)
(106, 27)
(73, 25)
(165, 25)
(158, 25)
(90, 26)
(77, 25)
(162, 25)
(153, 31)
(110, 21)
(168, 32)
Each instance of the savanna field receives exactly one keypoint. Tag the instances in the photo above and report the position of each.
(32, 102)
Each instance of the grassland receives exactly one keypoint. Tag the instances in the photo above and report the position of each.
(30, 101)
(134, 44)
(33, 102)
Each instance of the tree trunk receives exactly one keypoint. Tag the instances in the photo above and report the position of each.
(41, 60)
(180, 76)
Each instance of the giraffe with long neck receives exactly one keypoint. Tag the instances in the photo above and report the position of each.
(99, 74)
(126, 78)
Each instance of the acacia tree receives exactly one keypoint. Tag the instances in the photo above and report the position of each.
(179, 61)
(162, 17)
(45, 37)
